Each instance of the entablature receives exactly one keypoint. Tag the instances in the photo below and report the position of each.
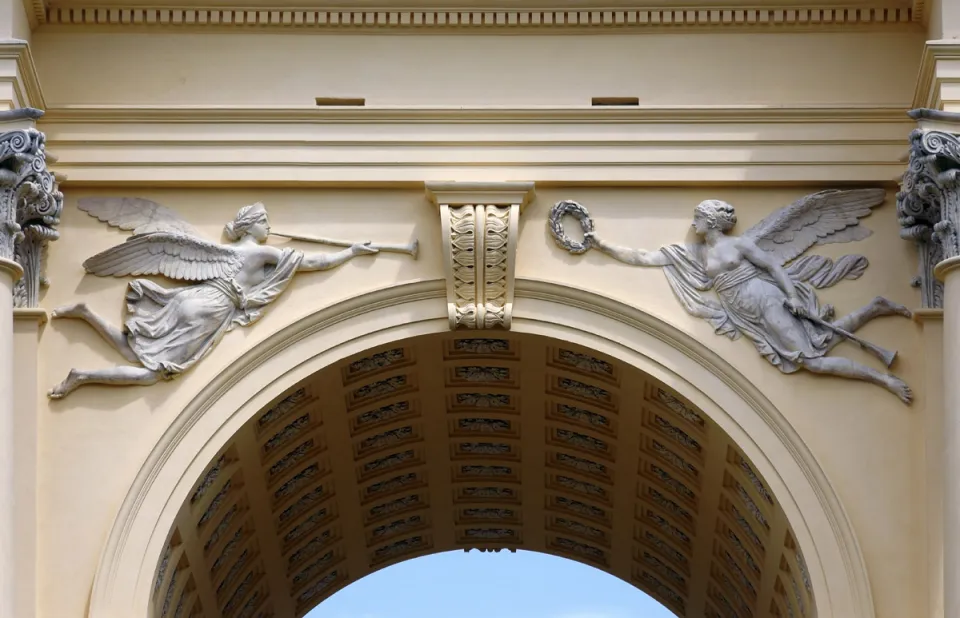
(406, 145)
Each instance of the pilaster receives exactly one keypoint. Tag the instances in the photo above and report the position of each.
(938, 83)
(19, 82)
(479, 224)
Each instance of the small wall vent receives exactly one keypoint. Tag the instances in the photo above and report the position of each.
(341, 102)
(613, 101)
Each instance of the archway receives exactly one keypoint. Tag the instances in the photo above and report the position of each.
(704, 429)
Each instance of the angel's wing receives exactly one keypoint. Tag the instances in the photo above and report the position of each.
(133, 213)
(818, 219)
(174, 255)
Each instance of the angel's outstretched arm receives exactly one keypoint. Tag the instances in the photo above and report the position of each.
(634, 257)
(326, 261)
(761, 259)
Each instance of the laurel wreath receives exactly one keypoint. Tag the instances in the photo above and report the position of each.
(578, 212)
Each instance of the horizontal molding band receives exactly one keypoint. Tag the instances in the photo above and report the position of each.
(398, 146)
(552, 20)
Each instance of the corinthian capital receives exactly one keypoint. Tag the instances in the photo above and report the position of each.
(928, 203)
(30, 203)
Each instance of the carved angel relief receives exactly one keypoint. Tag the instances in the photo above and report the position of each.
(168, 330)
(766, 290)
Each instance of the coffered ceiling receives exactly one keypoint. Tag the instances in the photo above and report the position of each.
(480, 443)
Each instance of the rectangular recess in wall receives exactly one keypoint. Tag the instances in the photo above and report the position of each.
(341, 102)
(605, 101)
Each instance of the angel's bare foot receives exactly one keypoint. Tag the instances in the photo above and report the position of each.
(76, 310)
(888, 307)
(899, 388)
(74, 379)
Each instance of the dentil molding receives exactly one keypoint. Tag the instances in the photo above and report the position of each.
(479, 226)
(586, 14)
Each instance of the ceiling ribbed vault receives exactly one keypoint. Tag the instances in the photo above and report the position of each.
(480, 442)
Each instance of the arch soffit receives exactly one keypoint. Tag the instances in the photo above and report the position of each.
(824, 532)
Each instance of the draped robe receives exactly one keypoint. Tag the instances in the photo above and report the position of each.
(753, 304)
(170, 329)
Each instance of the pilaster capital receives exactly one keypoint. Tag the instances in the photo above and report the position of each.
(30, 202)
(479, 224)
(928, 204)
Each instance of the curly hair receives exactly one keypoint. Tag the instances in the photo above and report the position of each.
(245, 219)
(719, 214)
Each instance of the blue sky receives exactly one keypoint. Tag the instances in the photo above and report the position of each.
(484, 585)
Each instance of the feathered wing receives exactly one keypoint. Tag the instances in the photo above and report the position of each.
(173, 255)
(818, 219)
(133, 213)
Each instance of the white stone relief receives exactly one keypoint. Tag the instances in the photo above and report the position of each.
(208, 479)
(661, 567)
(482, 374)
(579, 440)
(239, 594)
(680, 408)
(318, 588)
(306, 526)
(399, 547)
(751, 505)
(386, 438)
(754, 479)
(586, 363)
(489, 513)
(742, 551)
(484, 448)
(745, 526)
(291, 431)
(392, 484)
(677, 434)
(167, 330)
(579, 463)
(290, 459)
(483, 425)
(303, 504)
(675, 460)
(739, 574)
(479, 345)
(380, 388)
(221, 527)
(383, 413)
(663, 590)
(389, 461)
(298, 482)
(215, 503)
(582, 529)
(672, 483)
(477, 470)
(463, 245)
(664, 548)
(669, 505)
(233, 573)
(282, 408)
(396, 527)
(375, 362)
(579, 507)
(313, 569)
(765, 286)
(591, 489)
(312, 548)
(668, 528)
(394, 506)
(490, 534)
(583, 416)
(502, 493)
(483, 400)
(575, 547)
(584, 390)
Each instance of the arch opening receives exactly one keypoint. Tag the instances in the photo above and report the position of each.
(128, 568)
(449, 441)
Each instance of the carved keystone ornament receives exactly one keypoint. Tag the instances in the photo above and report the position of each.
(479, 229)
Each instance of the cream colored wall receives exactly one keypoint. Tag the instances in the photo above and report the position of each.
(869, 444)
(13, 20)
(784, 69)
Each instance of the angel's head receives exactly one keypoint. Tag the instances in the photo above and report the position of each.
(713, 215)
(251, 220)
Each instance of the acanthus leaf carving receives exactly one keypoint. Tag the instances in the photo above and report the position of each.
(928, 203)
(479, 226)
(30, 204)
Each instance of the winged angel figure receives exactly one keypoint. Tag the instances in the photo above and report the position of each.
(167, 330)
(765, 288)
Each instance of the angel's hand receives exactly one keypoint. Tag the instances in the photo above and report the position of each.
(363, 248)
(795, 305)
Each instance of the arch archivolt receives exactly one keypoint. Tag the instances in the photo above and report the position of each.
(802, 511)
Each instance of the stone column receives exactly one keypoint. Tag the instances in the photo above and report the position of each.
(929, 209)
(29, 209)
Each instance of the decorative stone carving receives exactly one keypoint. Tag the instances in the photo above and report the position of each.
(168, 330)
(928, 203)
(765, 285)
(479, 223)
(30, 202)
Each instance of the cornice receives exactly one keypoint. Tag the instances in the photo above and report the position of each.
(561, 146)
(927, 93)
(706, 16)
(457, 114)
(26, 82)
